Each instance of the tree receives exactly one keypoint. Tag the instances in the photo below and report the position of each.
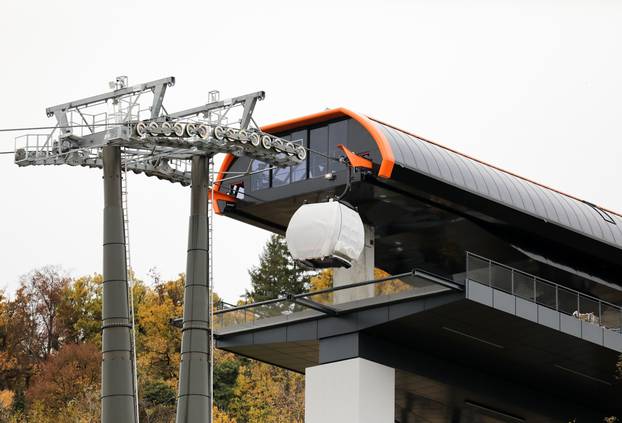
(44, 288)
(226, 370)
(80, 309)
(22, 347)
(221, 417)
(157, 345)
(7, 398)
(67, 380)
(50, 351)
(158, 402)
(276, 273)
(157, 340)
(268, 394)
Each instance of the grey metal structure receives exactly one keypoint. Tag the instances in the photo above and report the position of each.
(118, 393)
(534, 335)
(466, 173)
(176, 147)
(194, 400)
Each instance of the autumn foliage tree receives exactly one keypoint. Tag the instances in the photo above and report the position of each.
(268, 394)
(31, 328)
(50, 346)
(69, 379)
(80, 310)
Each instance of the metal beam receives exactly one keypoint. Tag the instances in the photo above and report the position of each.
(101, 138)
(423, 274)
(88, 101)
(305, 302)
(249, 101)
(158, 97)
(249, 107)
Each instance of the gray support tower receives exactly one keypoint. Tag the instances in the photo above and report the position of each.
(160, 144)
(117, 394)
(194, 401)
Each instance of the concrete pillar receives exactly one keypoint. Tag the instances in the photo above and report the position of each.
(194, 399)
(117, 394)
(350, 391)
(361, 270)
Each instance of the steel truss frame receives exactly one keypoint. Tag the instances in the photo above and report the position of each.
(160, 145)
(177, 147)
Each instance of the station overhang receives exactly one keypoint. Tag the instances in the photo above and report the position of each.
(428, 204)
(449, 352)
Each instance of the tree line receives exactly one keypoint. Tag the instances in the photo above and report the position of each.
(50, 343)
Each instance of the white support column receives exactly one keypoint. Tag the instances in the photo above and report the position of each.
(361, 270)
(350, 391)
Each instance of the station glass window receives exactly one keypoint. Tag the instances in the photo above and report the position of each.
(260, 180)
(318, 144)
(337, 134)
(299, 171)
(322, 142)
(282, 175)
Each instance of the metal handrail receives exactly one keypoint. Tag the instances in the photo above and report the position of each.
(354, 285)
(306, 294)
(415, 272)
(579, 295)
(251, 305)
(544, 280)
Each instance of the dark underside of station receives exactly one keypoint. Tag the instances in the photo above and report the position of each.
(457, 359)
(454, 360)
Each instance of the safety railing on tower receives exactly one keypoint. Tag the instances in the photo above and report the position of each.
(544, 292)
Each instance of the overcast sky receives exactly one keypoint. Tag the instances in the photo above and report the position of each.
(532, 86)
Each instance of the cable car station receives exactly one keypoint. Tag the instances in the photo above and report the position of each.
(457, 291)
(502, 300)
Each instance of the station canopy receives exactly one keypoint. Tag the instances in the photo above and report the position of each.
(428, 204)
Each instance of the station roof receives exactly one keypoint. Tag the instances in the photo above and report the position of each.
(430, 204)
(400, 148)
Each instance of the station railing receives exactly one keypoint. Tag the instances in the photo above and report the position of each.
(332, 301)
(544, 292)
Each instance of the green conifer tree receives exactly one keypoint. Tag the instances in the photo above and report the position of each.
(276, 273)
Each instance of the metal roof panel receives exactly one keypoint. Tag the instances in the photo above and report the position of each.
(521, 194)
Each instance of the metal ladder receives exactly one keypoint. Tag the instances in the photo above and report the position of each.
(210, 277)
(130, 279)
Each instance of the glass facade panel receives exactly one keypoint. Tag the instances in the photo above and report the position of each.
(611, 318)
(322, 142)
(259, 180)
(501, 277)
(588, 306)
(568, 301)
(282, 175)
(479, 270)
(524, 285)
(546, 294)
(337, 134)
(299, 172)
(318, 143)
